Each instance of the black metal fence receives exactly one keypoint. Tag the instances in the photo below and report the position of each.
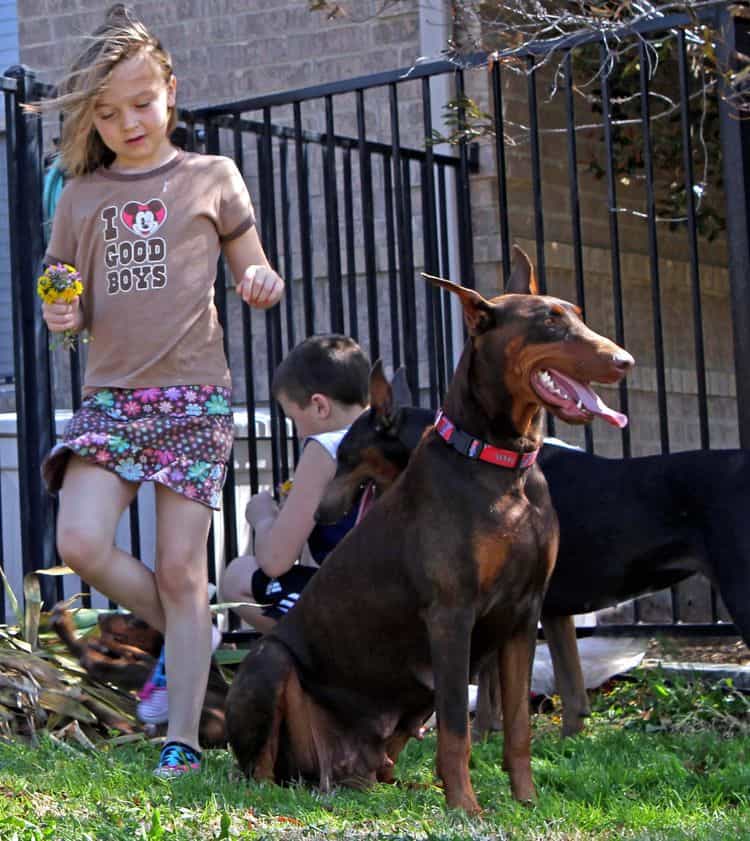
(354, 199)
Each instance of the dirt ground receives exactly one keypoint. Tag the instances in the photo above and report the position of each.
(698, 650)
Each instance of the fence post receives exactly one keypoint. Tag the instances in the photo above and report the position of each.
(34, 412)
(735, 146)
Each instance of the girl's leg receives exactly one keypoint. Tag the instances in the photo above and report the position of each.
(92, 501)
(236, 586)
(182, 579)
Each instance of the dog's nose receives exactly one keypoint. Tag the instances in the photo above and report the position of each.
(623, 360)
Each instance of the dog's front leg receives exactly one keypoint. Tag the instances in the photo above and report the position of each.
(450, 640)
(515, 659)
(560, 633)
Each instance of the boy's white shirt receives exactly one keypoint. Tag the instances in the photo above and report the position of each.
(330, 442)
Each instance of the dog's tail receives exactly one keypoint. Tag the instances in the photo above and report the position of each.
(253, 707)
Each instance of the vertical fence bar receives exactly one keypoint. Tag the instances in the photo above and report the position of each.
(57, 581)
(408, 291)
(575, 208)
(692, 232)
(229, 506)
(536, 180)
(286, 236)
(435, 333)
(614, 235)
(735, 144)
(368, 229)
(247, 341)
(390, 241)
(536, 174)
(502, 184)
(279, 452)
(653, 246)
(333, 250)
(34, 408)
(234, 622)
(463, 195)
(351, 268)
(444, 296)
(303, 200)
(407, 327)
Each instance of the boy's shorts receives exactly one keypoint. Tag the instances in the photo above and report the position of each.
(280, 595)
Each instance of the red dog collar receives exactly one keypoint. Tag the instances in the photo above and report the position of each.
(477, 449)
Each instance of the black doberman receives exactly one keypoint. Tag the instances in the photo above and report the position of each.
(446, 570)
(646, 524)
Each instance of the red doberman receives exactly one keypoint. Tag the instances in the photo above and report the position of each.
(447, 571)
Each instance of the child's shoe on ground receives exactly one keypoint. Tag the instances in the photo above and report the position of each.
(177, 759)
(153, 706)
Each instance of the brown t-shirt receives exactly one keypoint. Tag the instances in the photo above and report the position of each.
(146, 246)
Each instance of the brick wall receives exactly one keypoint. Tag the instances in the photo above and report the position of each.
(233, 49)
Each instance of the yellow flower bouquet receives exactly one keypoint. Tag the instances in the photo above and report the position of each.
(60, 282)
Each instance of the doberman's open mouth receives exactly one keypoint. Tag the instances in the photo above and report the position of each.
(366, 500)
(573, 400)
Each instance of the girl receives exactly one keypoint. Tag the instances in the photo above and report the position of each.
(144, 223)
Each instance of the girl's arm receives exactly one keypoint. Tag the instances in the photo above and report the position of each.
(255, 281)
(280, 538)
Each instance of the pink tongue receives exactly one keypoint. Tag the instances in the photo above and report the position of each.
(365, 502)
(592, 401)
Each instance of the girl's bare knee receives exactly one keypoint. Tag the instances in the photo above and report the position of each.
(180, 577)
(81, 548)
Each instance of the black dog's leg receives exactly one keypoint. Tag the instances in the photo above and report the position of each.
(560, 632)
(449, 630)
(488, 716)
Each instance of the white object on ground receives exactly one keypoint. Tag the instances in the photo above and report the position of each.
(601, 659)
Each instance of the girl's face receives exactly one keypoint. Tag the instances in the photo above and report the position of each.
(132, 113)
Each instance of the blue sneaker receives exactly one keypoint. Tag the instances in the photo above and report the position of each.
(177, 759)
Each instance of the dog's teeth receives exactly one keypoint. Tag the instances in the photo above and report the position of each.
(579, 405)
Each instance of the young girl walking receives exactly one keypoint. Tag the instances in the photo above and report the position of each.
(144, 224)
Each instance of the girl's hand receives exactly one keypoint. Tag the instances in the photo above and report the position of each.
(260, 287)
(60, 316)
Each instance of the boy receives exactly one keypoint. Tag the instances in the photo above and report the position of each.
(322, 386)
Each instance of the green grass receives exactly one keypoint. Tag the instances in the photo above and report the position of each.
(656, 762)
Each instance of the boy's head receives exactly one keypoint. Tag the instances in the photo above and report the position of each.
(321, 376)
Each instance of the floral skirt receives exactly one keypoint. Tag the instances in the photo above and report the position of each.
(180, 437)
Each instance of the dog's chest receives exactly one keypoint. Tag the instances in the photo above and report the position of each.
(510, 542)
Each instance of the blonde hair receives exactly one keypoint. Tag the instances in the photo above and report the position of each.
(122, 36)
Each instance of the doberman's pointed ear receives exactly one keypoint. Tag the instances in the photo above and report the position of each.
(478, 312)
(522, 275)
(381, 394)
(400, 389)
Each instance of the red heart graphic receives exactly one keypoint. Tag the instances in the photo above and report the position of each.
(144, 218)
